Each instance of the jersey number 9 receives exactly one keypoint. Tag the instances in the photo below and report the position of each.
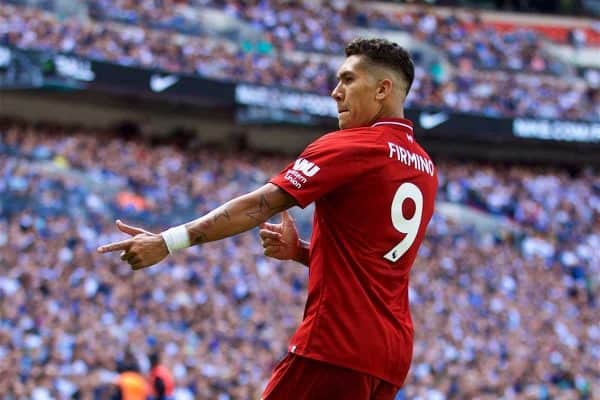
(408, 226)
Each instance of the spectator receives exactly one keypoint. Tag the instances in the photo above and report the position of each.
(130, 384)
(161, 380)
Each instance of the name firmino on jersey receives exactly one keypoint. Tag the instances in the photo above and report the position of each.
(411, 159)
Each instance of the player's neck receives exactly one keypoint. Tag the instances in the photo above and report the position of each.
(388, 113)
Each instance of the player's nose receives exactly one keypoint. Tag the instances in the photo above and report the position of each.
(336, 93)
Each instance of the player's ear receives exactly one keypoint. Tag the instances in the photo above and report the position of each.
(384, 88)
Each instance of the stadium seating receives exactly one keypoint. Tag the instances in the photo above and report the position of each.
(168, 35)
(503, 314)
(504, 302)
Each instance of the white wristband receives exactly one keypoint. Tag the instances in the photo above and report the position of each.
(176, 238)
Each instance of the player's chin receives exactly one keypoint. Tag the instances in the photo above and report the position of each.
(343, 122)
(347, 124)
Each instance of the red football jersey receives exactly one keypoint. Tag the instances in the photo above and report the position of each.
(374, 190)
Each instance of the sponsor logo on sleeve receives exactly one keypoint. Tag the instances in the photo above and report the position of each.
(306, 167)
(302, 170)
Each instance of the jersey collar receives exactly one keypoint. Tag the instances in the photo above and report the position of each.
(402, 123)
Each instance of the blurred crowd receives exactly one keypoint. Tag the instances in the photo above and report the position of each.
(326, 26)
(492, 72)
(511, 313)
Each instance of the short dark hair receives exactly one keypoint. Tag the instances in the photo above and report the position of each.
(386, 53)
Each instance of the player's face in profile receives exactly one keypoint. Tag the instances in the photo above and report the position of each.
(355, 94)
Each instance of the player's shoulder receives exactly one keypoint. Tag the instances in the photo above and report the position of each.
(350, 137)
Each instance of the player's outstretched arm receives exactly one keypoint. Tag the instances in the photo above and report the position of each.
(144, 248)
(281, 240)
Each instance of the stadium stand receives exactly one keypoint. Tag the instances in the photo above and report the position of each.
(495, 55)
(508, 313)
(504, 294)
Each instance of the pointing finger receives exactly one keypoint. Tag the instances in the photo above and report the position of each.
(122, 245)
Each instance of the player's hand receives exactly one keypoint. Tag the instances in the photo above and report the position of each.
(141, 250)
(280, 240)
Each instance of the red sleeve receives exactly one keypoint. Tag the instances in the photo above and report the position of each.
(327, 163)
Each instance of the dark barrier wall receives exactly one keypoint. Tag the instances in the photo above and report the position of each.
(255, 104)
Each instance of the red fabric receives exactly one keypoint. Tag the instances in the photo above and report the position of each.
(299, 378)
(163, 373)
(357, 313)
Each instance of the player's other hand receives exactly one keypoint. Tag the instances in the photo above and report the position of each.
(141, 250)
(280, 240)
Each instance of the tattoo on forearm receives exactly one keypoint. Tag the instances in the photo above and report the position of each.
(198, 231)
(264, 210)
(197, 235)
(222, 214)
